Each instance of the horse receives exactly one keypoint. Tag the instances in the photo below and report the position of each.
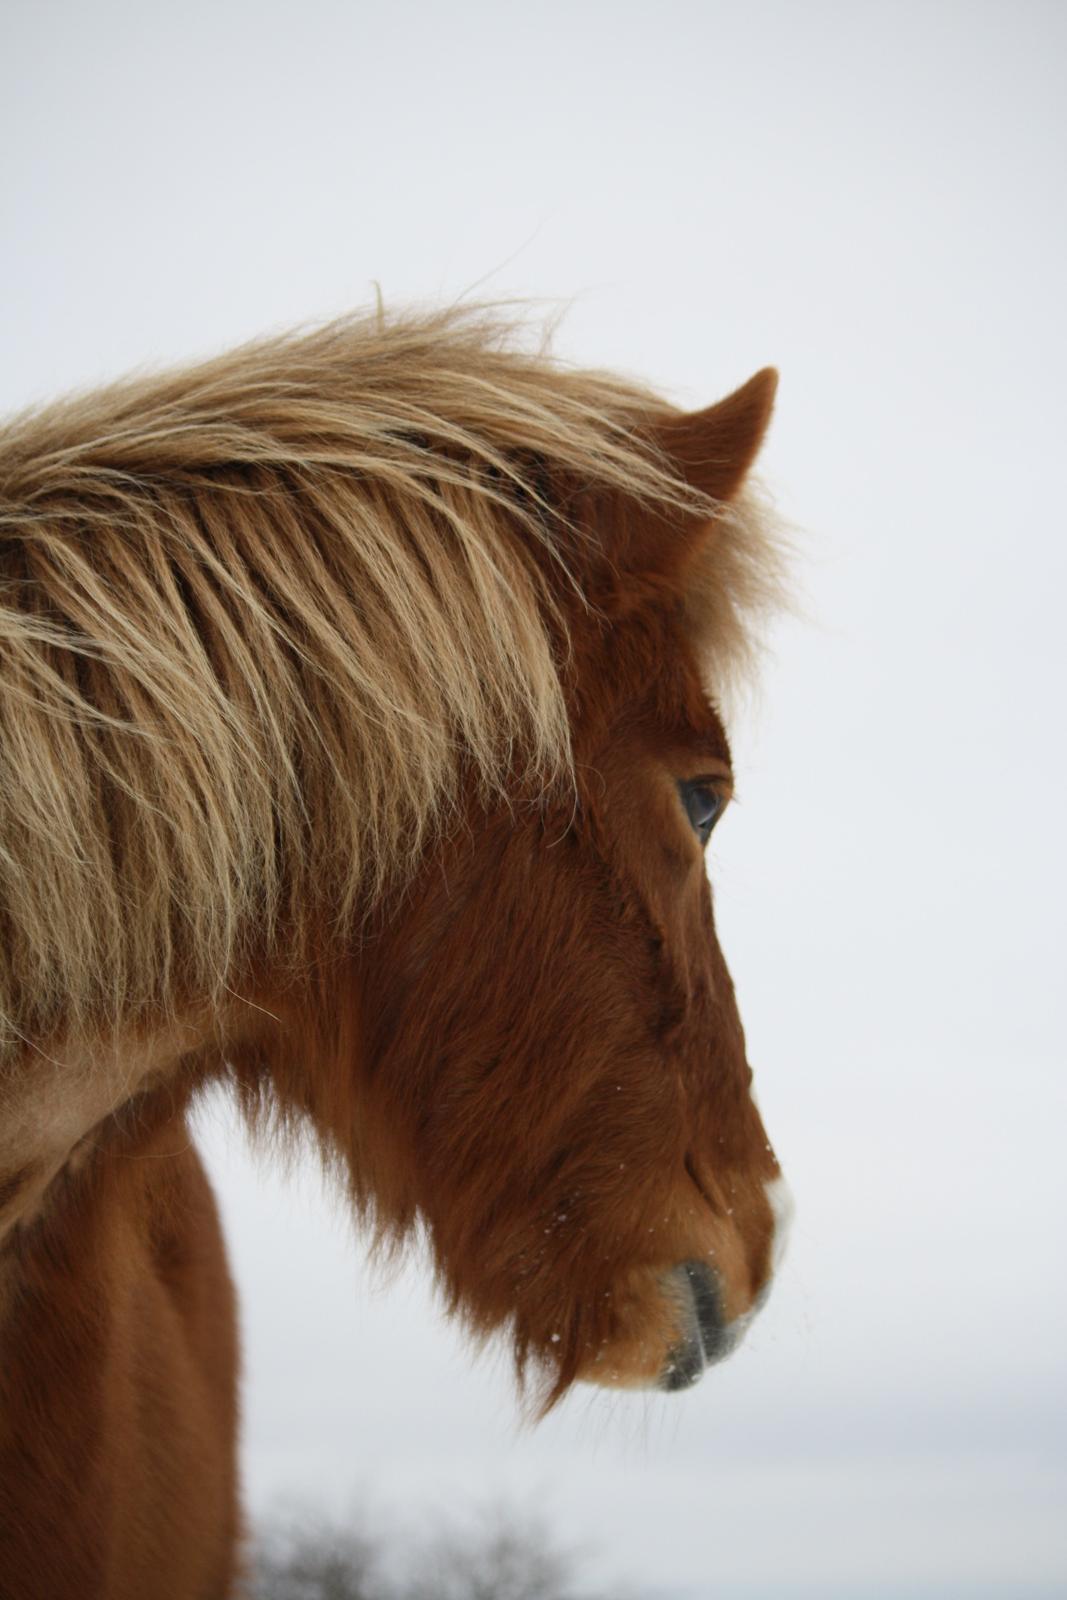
(361, 735)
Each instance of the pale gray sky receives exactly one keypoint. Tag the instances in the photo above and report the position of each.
(869, 196)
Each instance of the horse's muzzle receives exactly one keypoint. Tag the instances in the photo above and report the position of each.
(706, 1337)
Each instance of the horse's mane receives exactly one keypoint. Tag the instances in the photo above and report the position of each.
(261, 618)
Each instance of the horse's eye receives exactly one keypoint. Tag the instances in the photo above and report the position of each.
(703, 806)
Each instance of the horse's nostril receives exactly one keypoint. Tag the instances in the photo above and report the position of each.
(707, 1304)
(705, 1336)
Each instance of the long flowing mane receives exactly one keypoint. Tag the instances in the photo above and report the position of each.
(259, 618)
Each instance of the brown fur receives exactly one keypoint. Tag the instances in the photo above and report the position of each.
(348, 683)
(117, 1398)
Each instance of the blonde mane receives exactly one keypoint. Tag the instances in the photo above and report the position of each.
(261, 618)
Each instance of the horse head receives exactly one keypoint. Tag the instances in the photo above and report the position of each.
(538, 1056)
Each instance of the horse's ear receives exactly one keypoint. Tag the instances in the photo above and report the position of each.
(652, 553)
(715, 448)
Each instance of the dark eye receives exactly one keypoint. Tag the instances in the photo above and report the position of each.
(703, 805)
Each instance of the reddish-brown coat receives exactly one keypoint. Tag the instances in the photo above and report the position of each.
(535, 1049)
(118, 1407)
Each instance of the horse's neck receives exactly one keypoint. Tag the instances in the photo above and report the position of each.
(58, 1100)
(118, 1367)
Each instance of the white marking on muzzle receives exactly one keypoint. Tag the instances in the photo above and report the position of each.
(780, 1199)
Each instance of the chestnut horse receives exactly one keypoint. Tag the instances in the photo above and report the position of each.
(360, 745)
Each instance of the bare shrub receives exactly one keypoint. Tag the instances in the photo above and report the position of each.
(502, 1557)
(309, 1559)
(506, 1560)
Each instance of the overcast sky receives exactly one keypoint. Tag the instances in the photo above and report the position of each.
(871, 197)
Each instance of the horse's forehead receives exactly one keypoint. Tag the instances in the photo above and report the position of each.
(650, 688)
